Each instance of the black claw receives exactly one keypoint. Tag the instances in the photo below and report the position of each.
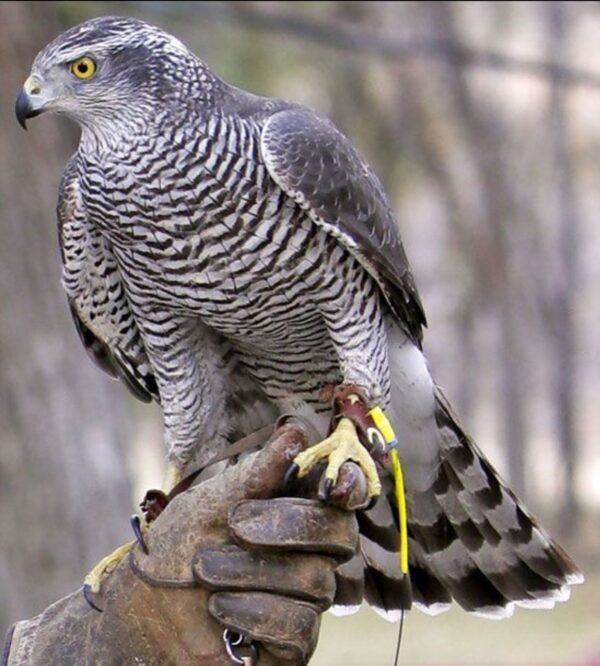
(372, 503)
(87, 595)
(136, 526)
(326, 492)
(290, 476)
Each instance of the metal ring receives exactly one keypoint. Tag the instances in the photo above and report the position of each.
(239, 640)
(228, 636)
(229, 645)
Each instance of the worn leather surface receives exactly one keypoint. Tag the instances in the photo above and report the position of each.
(200, 515)
(293, 524)
(229, 567)
(222, 554)
(287, 629)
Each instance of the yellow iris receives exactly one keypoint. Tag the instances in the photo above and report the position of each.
(83, 68)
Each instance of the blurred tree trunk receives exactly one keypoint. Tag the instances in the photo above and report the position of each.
(432, 151)
(495, 236)
(64, 488)
(560, 302)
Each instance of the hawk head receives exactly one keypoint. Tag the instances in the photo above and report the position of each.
(106, 70)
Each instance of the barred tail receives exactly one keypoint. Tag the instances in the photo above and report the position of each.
(470, 539)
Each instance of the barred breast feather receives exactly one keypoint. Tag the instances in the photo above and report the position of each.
(97, 299)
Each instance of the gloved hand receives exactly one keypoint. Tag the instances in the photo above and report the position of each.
(222, 554)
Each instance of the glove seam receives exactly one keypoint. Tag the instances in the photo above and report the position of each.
(7, 645)
(158, 582)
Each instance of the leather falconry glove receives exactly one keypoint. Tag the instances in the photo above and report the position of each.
(224, 554)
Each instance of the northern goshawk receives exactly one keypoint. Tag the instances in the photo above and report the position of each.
(231, 256)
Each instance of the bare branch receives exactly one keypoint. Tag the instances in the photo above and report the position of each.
(345, 37)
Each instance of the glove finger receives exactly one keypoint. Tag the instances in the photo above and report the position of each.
(349, 492)
(291, 574)
(287, 628)
(260, 475)
(289, 523)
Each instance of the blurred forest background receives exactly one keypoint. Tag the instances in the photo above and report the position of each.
(483, 121)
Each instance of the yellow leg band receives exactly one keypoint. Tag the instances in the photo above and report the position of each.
(401, 499)
(387, 431)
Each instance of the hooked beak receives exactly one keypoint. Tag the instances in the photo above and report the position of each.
(29, 102)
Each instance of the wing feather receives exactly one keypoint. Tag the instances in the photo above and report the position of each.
(318, 167)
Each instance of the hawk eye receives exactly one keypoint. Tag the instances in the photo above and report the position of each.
(83, 68)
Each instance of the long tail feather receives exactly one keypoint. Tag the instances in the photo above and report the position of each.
(470, 539)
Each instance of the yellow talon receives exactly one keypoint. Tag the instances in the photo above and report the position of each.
(93, 580)
(106, 565)
(342, 445)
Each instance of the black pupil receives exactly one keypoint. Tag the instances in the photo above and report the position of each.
(82, 68)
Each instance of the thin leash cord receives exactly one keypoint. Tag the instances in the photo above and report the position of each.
(399, 642)
(392, 444)
(386, 430)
